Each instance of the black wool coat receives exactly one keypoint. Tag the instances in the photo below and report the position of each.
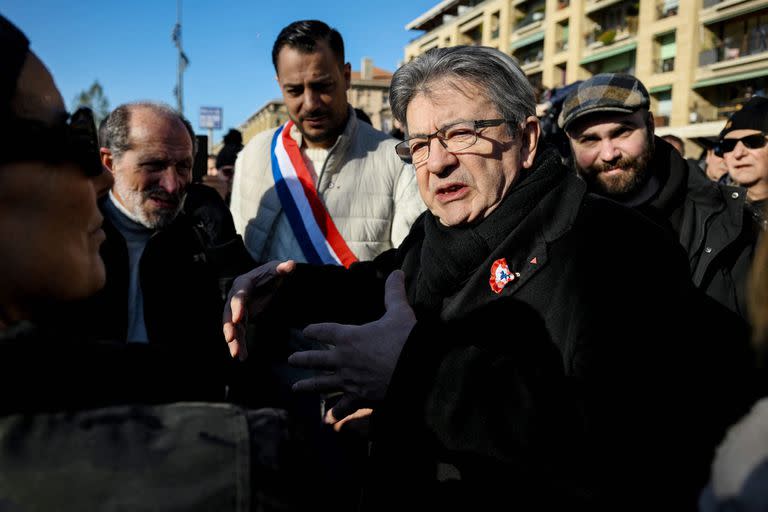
(585, 381)
(184, 273)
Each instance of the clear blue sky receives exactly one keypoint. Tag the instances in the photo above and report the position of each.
(127, 45)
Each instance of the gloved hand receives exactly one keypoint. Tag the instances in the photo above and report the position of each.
(250, 294)
(363, 357)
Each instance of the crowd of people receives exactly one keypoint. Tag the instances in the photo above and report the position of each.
(338, 319)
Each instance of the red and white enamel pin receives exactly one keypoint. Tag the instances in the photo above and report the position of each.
(501, 275)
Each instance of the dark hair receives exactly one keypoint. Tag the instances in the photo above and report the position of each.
(114, 131)
(233, 137)
(304, 36)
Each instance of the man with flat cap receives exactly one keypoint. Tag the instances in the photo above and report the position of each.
(611, 131)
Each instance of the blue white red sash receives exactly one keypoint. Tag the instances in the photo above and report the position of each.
(312, 226)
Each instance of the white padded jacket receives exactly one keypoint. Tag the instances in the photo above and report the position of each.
(369, 192)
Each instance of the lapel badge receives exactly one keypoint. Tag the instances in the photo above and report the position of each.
(501, 275)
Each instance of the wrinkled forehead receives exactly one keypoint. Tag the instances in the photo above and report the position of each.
(451, 99)
(37, 96)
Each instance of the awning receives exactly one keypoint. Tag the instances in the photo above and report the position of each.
(730, 78)
(609, 53)
(533, 38)
(660, 88)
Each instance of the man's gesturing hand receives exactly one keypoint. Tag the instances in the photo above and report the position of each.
(250, 294)
(364, 356)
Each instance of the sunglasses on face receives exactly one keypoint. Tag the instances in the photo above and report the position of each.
(755, 141)
(73, 139)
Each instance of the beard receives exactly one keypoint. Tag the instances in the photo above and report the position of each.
(332, 130)
(634, 173)
(137, 202)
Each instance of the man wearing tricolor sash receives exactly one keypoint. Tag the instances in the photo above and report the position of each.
(322, 188)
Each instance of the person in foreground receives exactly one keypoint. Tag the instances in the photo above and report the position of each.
(535, 344)
(82, 426)
(739, 478)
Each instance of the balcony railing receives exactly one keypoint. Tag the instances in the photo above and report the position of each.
(710, 3)
(664, 65)
(753, 43)
(531, 57)
(609, 35)
(537, 14)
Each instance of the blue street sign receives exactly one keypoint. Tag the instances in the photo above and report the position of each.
(210, 117)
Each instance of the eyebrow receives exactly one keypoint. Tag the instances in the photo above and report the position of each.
(321, 79)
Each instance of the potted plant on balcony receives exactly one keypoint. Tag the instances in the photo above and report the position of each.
(607, 36)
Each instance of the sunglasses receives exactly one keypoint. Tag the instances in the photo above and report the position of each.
(755, 141)
(73, 139)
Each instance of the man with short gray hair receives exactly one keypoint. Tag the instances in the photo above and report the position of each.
(170, 243)
(498, 350)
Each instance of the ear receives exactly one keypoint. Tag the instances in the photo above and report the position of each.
(347, 75)
(106, 159)
(529, 136)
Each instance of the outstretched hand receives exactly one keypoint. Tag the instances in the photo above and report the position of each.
(250, 294)
(364, 357)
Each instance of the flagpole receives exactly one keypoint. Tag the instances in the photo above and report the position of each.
(180, 68)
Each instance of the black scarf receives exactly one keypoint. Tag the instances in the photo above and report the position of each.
(451, 255)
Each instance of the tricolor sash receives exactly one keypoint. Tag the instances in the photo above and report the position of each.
(312, 226)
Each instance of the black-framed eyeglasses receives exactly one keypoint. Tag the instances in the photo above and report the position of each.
(755, 141)
(454, 138)
(73, 139)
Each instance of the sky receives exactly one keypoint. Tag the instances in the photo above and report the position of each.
(127, 45)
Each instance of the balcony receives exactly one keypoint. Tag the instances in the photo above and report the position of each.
(533, 16)
(530, 57)
(611, 24)
(606, 36)
(666, 8)
(561, 46)
(731, 48)
(714, 11)
(664, 65)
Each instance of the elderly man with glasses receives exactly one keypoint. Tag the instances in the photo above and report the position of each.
(526, 342)
(743, 147)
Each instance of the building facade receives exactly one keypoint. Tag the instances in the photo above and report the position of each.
(369, 91)
(699, 59)
(271, 115)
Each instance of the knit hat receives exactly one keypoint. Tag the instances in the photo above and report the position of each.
(606, 92)
(752, 116)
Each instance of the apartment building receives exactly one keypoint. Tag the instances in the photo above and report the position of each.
(700, 59)
(369, 91)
